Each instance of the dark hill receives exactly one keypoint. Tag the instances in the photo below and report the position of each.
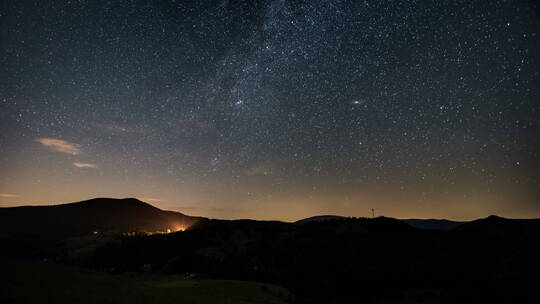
(327, 259)
(99, 214)
(319, 218)
(433, 224)
(496, 225)
(384, 260)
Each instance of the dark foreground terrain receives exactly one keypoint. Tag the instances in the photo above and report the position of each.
(38, 282)
(327, 260)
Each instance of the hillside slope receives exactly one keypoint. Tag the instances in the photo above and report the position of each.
(99, 215)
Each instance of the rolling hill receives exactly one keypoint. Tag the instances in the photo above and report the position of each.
(99, 215)
(433, 224)
(324, 259)
(319, 218)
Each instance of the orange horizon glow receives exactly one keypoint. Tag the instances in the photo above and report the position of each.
(290, 209)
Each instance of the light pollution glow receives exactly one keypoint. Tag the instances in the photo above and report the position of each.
(293, 203)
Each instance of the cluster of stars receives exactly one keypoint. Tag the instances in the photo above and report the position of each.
(273, 97)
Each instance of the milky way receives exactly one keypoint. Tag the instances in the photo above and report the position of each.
(274, 109)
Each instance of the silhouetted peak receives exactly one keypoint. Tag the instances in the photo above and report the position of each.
(495, 219)
(97, 214)
(113, 201)
(433, 224)
(101, 199)
(133, 200)
(319, 218)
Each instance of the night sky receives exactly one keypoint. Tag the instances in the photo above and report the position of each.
(274, 109)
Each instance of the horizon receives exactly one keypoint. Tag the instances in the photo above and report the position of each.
(14, 205)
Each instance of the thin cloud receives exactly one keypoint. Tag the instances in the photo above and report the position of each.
(59, 145)
(8, 195)
(84, 165)
(149, 199)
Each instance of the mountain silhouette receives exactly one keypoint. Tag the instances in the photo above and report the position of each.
(333, 260)
(433, 224)
(319, 218)
(322, 259)
(496, 225)
(99, 215)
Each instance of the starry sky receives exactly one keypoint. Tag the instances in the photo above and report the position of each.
(274, 109)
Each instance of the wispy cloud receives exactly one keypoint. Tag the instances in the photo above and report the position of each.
(84, 165)
(8, 195)
(59, 145)
(149, 199)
